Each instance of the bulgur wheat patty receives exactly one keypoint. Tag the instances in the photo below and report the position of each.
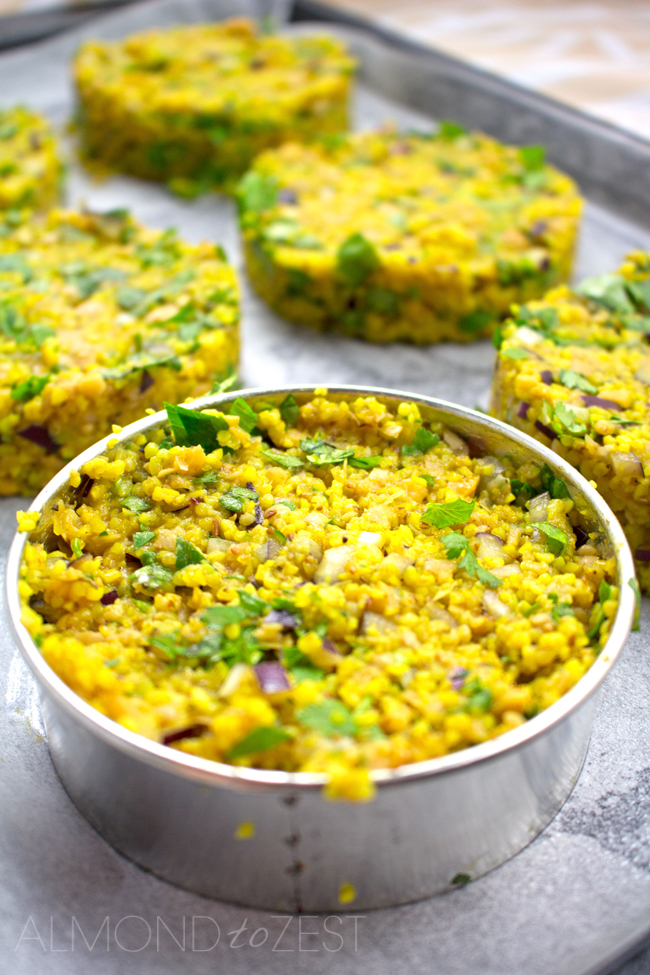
(574, 370)
(100, 320)
(313, 583)
(193, 105)
(408, 237)
(30, 170)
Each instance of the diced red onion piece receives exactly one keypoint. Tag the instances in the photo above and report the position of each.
(272, 678)
(494, 606)
(538, 507)
(330, 647)
(109, 598)
(456, 677)
(546, 376)
(41, 436)
(522, 412)
(192, 731)
(283, 617)
(455, 443)
(581, 537)
(146, 382)
(625, 462)
(544, 429)
(642, 555)
(489, 545)
(477, 446)
(606, 404)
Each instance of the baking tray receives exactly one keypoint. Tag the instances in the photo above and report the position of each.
(578, 899)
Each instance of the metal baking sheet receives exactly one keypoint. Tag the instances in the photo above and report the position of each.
(575, 902)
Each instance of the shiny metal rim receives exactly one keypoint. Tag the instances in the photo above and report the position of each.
(246, 779)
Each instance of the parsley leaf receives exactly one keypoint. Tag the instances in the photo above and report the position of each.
(575, 380)
(187, 554)
(152, 576)
(356, 260)
(553, 484)
(136, 505)
(457, 545)
(609, 290)
(256, 193)
(556, 539)
(140, 539)
(365, 463)
(450, 130)
(560, 610)
(289, 410)
(30, 388)
(448, 514)
(236, 497)
(318, 452)
(192, 428)
(421, 442)
(329, 718)
(515, 353)
(247, 415)
(568, 419)
(283, 459)
(258, 740)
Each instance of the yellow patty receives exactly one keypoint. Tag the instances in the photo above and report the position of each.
(574, 370)
(325, 585)
(101, 319)
(30, 170)
(193, 105)
(416, 238)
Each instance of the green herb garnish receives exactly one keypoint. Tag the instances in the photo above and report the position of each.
(187, 554)
(356, 260)
(318, 452)
(258, 740)
(329, 718)
(236, 497)
(556, 539)
(456, 545)
(448, 514)
(140, 539)
(192, 428)
(422, 441)
(136, 505)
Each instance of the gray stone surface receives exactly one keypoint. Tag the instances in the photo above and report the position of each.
(572, 902)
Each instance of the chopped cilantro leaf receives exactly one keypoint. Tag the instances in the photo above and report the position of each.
(289, 410)
(236, 497)
(318, 452)
(556, 539)
(356, 260)
(140, 539)
(457, 545)
(247, 415)
(258, 740)
(256, 193)
(448, 514)
(515, 353)
(575, 380)
(187, 554)
(422, 441)
(365, 463)
(328, 718)
(192, 428)
(553, 484)
(282, 459)
(30, 388)
(136, 505)
(152, 576)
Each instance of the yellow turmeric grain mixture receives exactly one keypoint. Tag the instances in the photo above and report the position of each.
(314, 583)
(101, 319)
(30, 170)
(193, 105)
(413, 237)
(573, 370)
